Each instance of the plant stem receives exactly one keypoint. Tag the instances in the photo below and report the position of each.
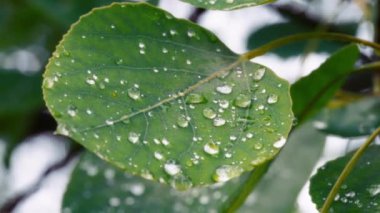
(346, 171)
(245, 190)
(306, 36)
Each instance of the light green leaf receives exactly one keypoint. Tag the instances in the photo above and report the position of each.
(355, 119)
(361, 190)
(226, 4)
(278, 190)
(96, 186)
(154, 94)
(311, 93)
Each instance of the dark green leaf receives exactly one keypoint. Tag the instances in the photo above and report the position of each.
(360, 191)
(152, 93)
(275, 31)
(278, 190)
(313, 92)
(355, 119)
(226, 4)
(95, 186)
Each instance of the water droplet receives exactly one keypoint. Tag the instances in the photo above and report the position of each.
(146, 174)
(224, 104)
(134, 93)
(88, 111)
(164, 50)
(211, 148)
(209, 113)
(133, 137)
(158, 156)
(226, 172)
(90, 81)
(172, 168)
(181, 182)
(195, 98)
(141, 45)
(190, 33)
(112, 26)
(62, 129)
(258, 161)
(72, 111)
(165, 142)
(280, 143)
(109, 122)
(119, 61)
(258, 146)
(242, 101)
(182, 121)
(219, 122)
(114, 201)
(272, 98)
(188, 62)
(224, 89)
(259, 74)
(137, 189)
(374, 190)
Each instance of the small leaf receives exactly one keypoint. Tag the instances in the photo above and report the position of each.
(355, 119)
(95, 186)
(226, 4)
(147, 91)
(313, 92)
(361, 190)
(279, 188)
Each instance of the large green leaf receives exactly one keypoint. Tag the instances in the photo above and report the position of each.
(313, 92)
(96, 186)
(355, 119)
(361, 190)
(158, 95)
(226, 4)
(275, 31)
(288, 173)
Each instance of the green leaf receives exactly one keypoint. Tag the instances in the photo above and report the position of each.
(95, 186)
(361, 190)
(313, 92)
(355, 119)
(226, 4)
(288, 173)
(21, 97)
(152, 93)
(275, 31)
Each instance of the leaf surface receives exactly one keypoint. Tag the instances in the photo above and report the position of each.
(226, 4)
(158, 95)
(361, 190)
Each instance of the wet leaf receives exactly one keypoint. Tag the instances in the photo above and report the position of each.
(96, 186)
(313, 92)
(151, 93)
(355, 119)
(288, 173)
(226, 4)
(361, 190)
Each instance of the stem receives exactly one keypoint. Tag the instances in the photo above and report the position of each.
(346, 171)
(306, 36)
(245, 190)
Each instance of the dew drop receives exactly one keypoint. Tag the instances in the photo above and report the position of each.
(224, 89)
(72, 111)
(90, 81)
(190, 33)
(119, 61)
(272, 98)
(259, 74)
(219, 121)
(258, 161)
(226, 172)
(146, 174)
(172, 168)
(137, 189)
(211, 148)
(242, 101)
(209, 113)
(133, 137)
(258, 146)
(182, 121)
(224, 104)
(280, 143)
(165, 142)
(158, 156)
(164, 50)
(181, 182)
(195, 98)
(109, 122)
(134, 93)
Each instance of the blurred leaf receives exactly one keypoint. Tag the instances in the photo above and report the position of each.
(279, 189)
(150, 109)
(226, 4)
(360, 191)
(356, 119)
(275, 31)
(95, 186)
(314, 91)
(25, 22)
(21, 96)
